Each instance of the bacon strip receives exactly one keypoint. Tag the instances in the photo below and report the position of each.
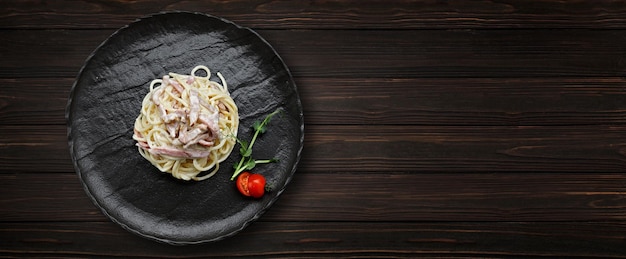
(192, 127)
(194, 106)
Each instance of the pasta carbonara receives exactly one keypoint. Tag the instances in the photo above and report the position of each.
(187, 125)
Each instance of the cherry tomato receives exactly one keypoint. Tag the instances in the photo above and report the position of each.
(250, 184)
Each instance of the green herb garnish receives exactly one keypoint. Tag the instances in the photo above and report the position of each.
(247, 162)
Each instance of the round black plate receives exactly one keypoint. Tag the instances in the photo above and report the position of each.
(106, 98)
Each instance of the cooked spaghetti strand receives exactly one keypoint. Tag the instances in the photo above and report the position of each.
(186, 124)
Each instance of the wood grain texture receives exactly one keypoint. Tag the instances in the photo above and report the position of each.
(47, 145)
(368, 53)
(380, 148)
(327, 14)
(466, 149)
(464, 101)
(330, 239)
(375, 197)
(35, 101)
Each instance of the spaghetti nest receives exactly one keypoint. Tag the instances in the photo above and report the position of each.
(187, 125)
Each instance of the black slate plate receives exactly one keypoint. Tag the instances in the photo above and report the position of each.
(106, 98)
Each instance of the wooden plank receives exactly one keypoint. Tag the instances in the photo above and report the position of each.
(465, 149)
(464, 101)
(384, 148)
(327, 14)
(370, 197)
(467, 197)
(45, 197)
(18, 47)
(410, 101)
(32, 148)
(34, 101)
(368, 53)
(452, 53)
(329, 239)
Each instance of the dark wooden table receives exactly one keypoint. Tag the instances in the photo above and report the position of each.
(433, 128)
